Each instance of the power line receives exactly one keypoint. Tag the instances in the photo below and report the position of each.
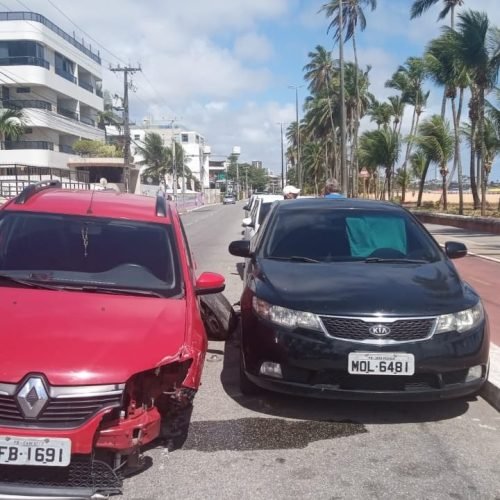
(83, 31)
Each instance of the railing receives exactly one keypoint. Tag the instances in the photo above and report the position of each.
(87, 121)
(32, 16)
(64, 148)
(86, 86)
(24, 61)
(68, 113)
(65, 74)
(27, 103)
(29, 145)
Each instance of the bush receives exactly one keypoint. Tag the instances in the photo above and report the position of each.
(95, 149)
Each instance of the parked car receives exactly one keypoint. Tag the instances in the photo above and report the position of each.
(102, 339)
(260, 209)
(354, 299)
(229, 199)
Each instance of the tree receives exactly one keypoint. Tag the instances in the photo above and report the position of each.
(314, 163)
(447, 70)
(421, 6)
(11, 125)
(352, 16)
(380, 113)
(477, 46)
(437, 143)
(107, 117)
(95, 149)
(380, 148)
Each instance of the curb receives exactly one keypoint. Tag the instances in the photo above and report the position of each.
(491, 389)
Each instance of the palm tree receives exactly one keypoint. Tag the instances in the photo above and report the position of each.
(446, 69)
(397, 108)
(319, 70)
(352, 15)
(408, 79)
(380, 113)
(421, 6)
(477, 45)
(380, 148)
(11, 125)
(491, 145)
(437, 143)
(314, 163)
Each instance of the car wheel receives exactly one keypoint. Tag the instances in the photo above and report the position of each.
(218, 316)
(175, 427)
(247, 387)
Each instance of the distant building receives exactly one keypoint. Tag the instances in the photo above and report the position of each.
(57, 82)
(217, 173)
(257, 164)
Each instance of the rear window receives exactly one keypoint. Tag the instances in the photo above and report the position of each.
(347, 235)
(89, 251)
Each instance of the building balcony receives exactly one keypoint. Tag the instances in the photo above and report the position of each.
(27, 103)
(87, 121)
(86, 86)
(99, 92)
(9, 145)
(64, 148)
(65, 74)
(68, 113)
(24, 61)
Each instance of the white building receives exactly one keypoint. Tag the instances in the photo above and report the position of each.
(196, 151)
(56, 80)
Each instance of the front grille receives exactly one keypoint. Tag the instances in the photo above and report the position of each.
(82, 472)
(355, 329)
(61, 412)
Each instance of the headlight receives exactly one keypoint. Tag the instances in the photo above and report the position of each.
(285, 317)
(460, 321)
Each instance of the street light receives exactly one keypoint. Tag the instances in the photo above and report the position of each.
(236, 153)
(297, 87)
(282, 156)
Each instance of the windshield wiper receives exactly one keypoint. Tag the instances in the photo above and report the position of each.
(114, 291)
(376, 260)
(27, 283)
(296, 258)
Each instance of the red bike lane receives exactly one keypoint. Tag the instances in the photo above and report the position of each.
(484, 276)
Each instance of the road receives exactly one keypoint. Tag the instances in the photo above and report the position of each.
(281, 447)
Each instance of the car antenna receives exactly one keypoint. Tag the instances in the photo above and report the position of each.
(103, 183)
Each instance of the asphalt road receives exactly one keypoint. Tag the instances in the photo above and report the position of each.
(279, 447)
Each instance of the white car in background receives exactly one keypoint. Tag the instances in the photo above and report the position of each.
(259, 210)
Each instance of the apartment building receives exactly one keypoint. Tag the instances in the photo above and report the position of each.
(57, 82)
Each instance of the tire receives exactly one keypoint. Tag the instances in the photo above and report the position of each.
(175, 427)
(247, 387)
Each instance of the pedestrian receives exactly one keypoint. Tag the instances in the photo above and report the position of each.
(290, 192)
(332, 189)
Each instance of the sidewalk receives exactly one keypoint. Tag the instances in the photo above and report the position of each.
(482, 270)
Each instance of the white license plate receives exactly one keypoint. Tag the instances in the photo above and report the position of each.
(40, 451)
(378, 363)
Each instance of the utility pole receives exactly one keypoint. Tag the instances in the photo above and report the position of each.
(299, 166)
(282, 158)
(343, 152)
(126, 124)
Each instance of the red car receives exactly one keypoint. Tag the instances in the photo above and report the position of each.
(103, 342)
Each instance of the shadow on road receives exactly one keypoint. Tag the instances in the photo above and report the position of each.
(338, 411)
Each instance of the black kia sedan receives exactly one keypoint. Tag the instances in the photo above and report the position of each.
(354, 299)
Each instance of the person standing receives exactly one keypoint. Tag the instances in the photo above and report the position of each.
(290, 192)
(332, 189)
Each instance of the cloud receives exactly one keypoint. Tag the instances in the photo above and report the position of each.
(253, 47)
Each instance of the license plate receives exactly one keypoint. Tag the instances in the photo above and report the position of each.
(40, 451)
(376, 363)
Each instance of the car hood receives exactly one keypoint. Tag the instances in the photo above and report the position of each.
(76, 338)
(359, 288)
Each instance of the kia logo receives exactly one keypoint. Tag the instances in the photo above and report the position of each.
(379, 330)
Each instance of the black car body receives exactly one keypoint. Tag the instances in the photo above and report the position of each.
(354, 299)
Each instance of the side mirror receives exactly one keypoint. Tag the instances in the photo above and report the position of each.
(209, 283)
(240, 248)
(247, 222)
(455, 249)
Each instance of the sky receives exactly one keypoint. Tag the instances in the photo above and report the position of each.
(224, 67)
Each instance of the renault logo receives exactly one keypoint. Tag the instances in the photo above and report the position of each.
(379, 330)
(32, 397)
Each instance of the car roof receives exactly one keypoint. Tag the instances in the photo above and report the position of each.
(337, 203)
(269, 198)
(103, 203)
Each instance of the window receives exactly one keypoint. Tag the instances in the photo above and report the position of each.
(23, 90)
(76, 251)
(264, 210)
(338, 235)
(197, 139)
(137, 137)
(185, 137)
(28, 130)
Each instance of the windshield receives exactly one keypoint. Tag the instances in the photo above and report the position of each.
(264, 210)
(78, 251)
(347, 235)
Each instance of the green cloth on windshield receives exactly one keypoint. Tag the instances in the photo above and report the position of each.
(367, 234)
